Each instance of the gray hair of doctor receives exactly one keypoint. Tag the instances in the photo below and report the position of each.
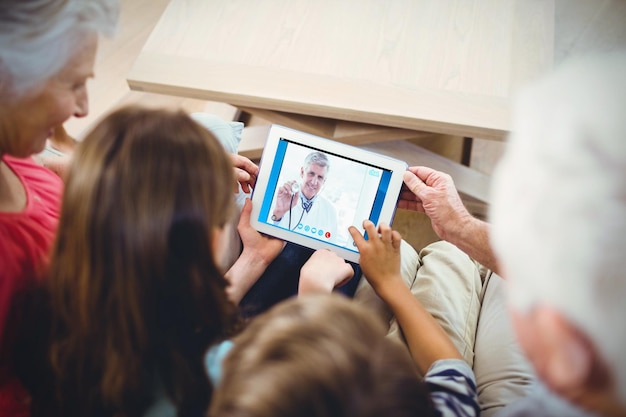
(559, 202)
(37, 38)
(317, 158)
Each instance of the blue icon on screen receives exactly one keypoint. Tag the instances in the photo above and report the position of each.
(300, 226)
(374, 173)
(313, 230)
(320, 232)
(306, 228)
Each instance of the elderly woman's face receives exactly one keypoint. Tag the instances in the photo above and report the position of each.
(30, 120)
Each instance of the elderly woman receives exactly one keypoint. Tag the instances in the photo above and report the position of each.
(47, 53)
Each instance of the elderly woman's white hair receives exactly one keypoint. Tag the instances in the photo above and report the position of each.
(37, 37)
(559, 202)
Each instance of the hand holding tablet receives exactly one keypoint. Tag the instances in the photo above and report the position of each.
(310, 190)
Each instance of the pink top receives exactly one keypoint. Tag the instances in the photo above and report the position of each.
(25, 241)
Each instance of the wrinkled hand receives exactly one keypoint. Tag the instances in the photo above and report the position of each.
(379, 255)
(324, 271)
(256, 245)
(433, 193)
(285, 200)
(246, 172)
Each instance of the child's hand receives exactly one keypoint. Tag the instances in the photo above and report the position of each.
(324, 271)
(262, 247)
(258, 251)
(246, 172)
(380, 255)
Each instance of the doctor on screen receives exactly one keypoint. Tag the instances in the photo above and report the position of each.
(300, 207)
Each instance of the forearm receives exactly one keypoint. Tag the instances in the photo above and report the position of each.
(472, 237)
(243, 275)
(314, 286)
(426, 339)
(322, 272)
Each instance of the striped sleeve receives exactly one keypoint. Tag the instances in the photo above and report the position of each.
(452, 387)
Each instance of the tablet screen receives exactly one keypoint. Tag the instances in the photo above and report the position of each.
(319, 194)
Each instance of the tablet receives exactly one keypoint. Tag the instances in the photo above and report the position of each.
(310, 190)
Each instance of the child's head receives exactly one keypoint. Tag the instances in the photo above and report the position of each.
(318, 356)
(136, 285)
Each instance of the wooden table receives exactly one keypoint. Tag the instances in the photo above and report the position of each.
(359, 71)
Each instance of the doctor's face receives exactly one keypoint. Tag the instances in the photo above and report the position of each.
(313, 178)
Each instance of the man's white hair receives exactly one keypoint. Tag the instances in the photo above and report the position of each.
(37, 38)
(559, 202)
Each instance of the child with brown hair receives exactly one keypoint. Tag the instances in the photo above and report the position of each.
(326, 356)
(135, 293)
(319, 355)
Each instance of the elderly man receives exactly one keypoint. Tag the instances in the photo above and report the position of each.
(559, 230)
(559, 233)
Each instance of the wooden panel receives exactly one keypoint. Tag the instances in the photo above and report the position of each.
(314, 125)
(467, 180)
(486, 154)
(444, 67)
(347, 132)
(589, 26)
(445, 145)
(532, 55)
(253, 141)
(360, 134)
(416, 109)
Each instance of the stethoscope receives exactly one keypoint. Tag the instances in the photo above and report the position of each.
(305, 208)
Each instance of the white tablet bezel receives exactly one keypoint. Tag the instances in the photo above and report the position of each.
(395, 167)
